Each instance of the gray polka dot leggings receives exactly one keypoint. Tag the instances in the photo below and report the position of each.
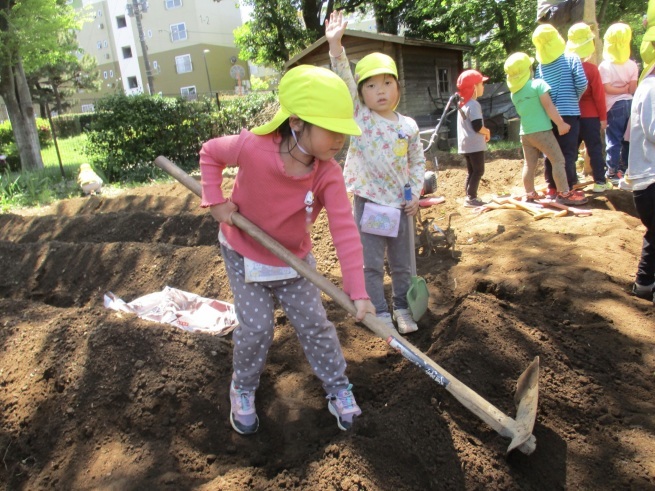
(301, 300)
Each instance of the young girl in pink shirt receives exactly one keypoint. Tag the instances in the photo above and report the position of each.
(287, 175)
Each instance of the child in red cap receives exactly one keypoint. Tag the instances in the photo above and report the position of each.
(472, 135)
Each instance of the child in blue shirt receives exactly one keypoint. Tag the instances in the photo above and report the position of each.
(565, 75)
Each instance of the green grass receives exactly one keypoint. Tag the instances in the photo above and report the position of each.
(40, 188)
(43, 187)
(503, 145)
(72, 155)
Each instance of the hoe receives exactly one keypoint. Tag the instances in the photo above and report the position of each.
(519, 430)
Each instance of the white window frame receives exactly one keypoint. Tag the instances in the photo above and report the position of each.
(173, 4)
(443, 92)
(88, 108)
(189, 92)
(135, 79)
(183, 64)
(178, 34)
(104, 74)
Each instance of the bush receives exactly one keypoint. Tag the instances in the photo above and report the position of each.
(67, 125)
(129, 132)
(8, 143)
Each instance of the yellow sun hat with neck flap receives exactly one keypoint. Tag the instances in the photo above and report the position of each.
(580, 40)
(647, 48)
(517, 67)
(549, 44)
(617, 39)
(316, 95)
(647, 52)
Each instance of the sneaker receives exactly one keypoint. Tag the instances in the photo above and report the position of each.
(405, 321)
(473, 202)
(645, 292)
(242, 413)
(386, 318)
(551, 193)
(601, 187)
(531, 197)
(571, 199)
(614, 178)
(343, 406)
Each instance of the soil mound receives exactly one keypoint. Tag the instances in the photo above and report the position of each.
(94, 399)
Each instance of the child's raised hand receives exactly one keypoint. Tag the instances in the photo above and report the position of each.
(563, 128)
(334, 29)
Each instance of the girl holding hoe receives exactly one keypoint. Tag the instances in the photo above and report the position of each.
(290, 161)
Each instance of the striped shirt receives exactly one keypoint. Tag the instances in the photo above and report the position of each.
(567, 82)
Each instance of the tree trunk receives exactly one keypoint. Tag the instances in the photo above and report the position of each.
(15, 92)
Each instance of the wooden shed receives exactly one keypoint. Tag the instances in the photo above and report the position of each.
(427, 70)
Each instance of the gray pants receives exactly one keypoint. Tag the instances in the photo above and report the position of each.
(398, 257)
(254, 305)
(534, 144)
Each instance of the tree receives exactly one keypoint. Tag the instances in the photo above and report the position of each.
(60, 79)
(501, 27)
(495, 28)
(29, 38)
(273, 35)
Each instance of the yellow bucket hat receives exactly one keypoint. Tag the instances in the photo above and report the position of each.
(647, 52)
(580, 40)
(517, 67)
(617, 43)
(650, 14)
(548, 43)
(316, 95)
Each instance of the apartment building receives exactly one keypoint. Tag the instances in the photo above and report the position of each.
(169, 47)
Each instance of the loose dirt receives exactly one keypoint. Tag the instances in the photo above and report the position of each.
(94, 399)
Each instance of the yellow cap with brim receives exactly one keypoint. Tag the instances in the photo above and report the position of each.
(316, 95)
(647, 52)
(617, 43)
(375, 64)
(548, 43)
(580, 40)
(517, 67)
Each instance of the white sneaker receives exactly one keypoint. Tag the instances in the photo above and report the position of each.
(405, 321)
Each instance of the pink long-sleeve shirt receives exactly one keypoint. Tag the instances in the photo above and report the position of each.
(275, 202)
